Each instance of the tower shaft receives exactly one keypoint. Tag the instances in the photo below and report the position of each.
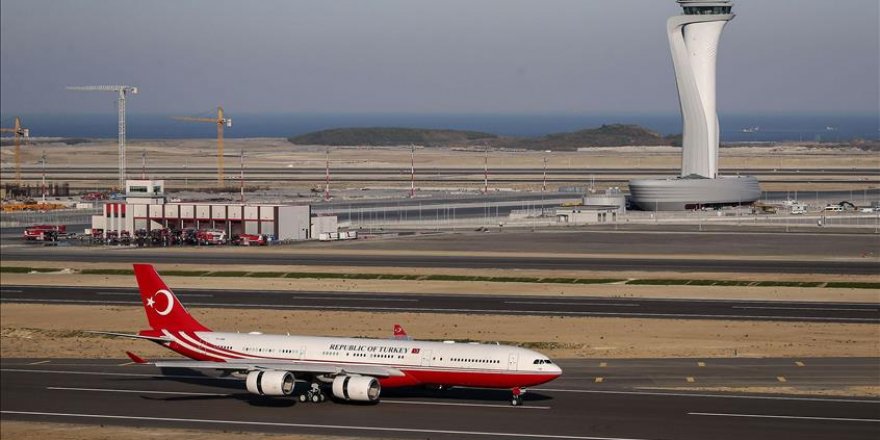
(693, 41)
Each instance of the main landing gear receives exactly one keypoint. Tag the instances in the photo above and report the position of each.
(314, 395)
(517, 398)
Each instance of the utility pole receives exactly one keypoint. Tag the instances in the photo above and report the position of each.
(327, 175)
(412, 176)
(43, 186)
(486, 172)
(241, 174)
(144, 165)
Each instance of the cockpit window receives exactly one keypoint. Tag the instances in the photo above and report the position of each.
(542, 361)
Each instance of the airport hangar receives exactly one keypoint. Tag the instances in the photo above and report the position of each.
(146, 207)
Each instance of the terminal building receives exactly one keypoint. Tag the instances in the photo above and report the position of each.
(693, 40)
(146, 208)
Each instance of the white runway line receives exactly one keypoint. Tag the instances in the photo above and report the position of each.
(720, 396)
(554, 303)
(771, 416)
(135, 294)
(333, 298)
(818, 309)
(10, 290)
(317, 426)
(109, 390)
(39, 362)
(473, 405)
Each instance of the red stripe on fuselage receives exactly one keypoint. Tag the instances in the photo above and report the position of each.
(482, 379)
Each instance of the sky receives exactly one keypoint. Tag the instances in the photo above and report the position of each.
(417, 56)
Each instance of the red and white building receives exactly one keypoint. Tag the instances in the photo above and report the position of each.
(146, 208)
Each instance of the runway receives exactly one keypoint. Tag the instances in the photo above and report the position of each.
(469, 304)
(629, 402)
(221, 256)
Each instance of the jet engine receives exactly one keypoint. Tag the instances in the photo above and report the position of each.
(357, 388)
(270, 382)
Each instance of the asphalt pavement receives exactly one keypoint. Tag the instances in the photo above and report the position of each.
(207, 257)
(470, 304)
(594, 399)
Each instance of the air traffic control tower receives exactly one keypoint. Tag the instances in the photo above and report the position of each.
(693, 40)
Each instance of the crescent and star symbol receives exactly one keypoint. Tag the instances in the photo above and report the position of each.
(169, 299)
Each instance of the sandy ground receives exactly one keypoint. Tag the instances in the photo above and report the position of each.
(275, 152)
(10, 430)
(55, 331)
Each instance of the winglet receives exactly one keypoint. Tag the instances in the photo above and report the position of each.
(135, 358)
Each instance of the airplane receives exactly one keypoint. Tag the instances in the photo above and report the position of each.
(353, 369)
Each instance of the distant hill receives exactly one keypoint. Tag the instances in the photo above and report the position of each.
(612, 135)
(384, 136)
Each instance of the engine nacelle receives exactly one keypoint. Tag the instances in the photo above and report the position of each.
(357, 388)
(270, 382)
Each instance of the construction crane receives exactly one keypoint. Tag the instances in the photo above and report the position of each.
(121, 92)
(221, 122)
(19, 132)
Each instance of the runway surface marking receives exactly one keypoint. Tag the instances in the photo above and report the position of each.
(781, 379)
(722, 396)
(690, 379)
(771, 416)
(553, 303)
(334, 298)
(135, 294)
(12, 290)
(799, 363)
(110, 390)
(818, 309)
(599, 380)
(603, 364)
(701, 364)
(316, 426)
(473, 405)
(402, 402)
(39, 362)
(458, 310)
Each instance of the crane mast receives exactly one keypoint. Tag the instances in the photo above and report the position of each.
(19, 132)
(222, 121)
(121, 91)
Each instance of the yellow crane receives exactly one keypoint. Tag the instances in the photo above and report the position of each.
(19, 132)
(221, 121)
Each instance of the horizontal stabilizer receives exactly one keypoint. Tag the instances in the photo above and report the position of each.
(127, 335)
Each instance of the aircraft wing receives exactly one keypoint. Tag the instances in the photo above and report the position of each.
(286, 365)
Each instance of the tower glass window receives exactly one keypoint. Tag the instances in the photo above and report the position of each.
(707, 10)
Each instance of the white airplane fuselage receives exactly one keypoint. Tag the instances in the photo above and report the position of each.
(422, 362)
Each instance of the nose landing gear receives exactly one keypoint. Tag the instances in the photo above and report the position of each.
(517, 398)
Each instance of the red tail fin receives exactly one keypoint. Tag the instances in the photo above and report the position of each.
(164, 310)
